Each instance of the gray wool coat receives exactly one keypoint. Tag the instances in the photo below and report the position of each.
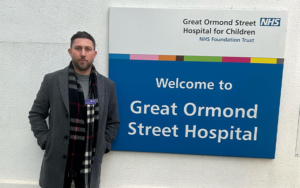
(52, 100)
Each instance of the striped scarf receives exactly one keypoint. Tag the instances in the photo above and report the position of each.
(83, 126)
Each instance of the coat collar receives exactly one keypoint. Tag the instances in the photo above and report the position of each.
(63, 82)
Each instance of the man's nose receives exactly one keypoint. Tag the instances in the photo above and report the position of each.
(83, 53)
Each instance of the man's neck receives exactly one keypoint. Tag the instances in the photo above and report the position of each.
(86, 72)
(83, 72)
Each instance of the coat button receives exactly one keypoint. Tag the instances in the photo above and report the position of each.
(66, 137)
(64, 156)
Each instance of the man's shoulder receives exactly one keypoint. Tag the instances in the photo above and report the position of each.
(105, 79)
(51, 74)
(55, 74)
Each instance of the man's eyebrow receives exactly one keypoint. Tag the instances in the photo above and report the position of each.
(80, 46)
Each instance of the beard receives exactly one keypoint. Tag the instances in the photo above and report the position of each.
(83, 66)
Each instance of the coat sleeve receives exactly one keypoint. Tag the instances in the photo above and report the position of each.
(38, 114)
(112, 122)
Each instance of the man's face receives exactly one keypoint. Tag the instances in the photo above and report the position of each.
(82, 53)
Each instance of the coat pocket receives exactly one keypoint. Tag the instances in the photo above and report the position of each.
(48, 143)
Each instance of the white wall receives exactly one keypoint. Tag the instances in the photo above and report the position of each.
(34, 38)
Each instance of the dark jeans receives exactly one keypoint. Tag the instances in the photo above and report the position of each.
(72, 176)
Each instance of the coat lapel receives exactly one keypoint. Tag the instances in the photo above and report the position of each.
(101, 95)
(63, 82)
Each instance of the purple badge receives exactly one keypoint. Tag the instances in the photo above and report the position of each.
(90, 101)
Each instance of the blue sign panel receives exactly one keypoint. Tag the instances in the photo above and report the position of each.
(208, 107)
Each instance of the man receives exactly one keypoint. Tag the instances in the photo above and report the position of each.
(81, 107)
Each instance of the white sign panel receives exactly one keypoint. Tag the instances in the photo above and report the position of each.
(198, 32)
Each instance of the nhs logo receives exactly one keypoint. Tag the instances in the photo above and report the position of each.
(269, 21)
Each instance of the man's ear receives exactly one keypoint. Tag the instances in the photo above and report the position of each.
(95, 54)
(69, 50)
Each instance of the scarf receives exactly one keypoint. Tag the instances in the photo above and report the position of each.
(83, 126)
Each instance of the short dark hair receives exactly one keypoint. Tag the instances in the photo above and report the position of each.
(83, 34)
